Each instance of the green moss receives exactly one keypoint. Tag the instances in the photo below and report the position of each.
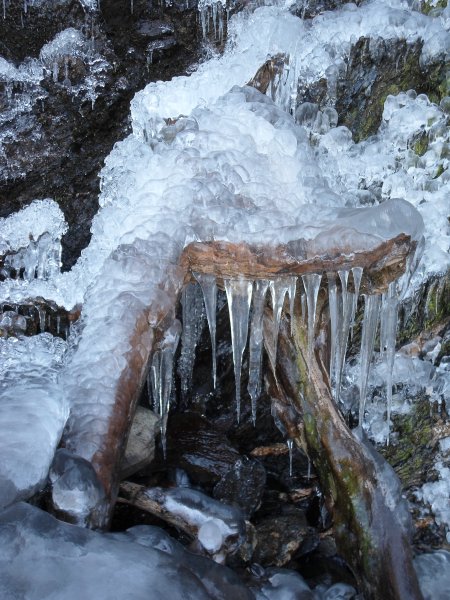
(412, 455)
(428, 6)
(439, 171)
(420, 146)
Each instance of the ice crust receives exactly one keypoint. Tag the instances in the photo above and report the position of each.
(60, 561)
(33, 412)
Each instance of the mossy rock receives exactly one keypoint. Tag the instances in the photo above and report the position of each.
(412, 456)
(426, 310)
(427, 6)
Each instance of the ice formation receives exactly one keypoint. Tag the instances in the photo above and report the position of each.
(232, 165)
(33, 412)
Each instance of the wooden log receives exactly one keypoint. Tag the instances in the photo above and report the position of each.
(383, 264)
(362, 491)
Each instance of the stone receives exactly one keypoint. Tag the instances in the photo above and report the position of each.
(243, 485)
(140, 450)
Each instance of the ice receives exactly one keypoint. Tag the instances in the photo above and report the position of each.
(279, 287)
(209, 289)
(436, 494)
(239, 295)
(335, 311)
(76, 490)
(290, 445)
(162, 375)
(292, 282)
(220, 528)
(433, 571)
(31, 223)
(388, 331)
(69, 42)
(311, 281)
(59, 561)
(369, 329)
(283, 584)
(193, 314)
(33, 413)
(256, 343)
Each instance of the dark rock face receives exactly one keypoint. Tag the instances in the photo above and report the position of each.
(57, 130)
(375, 69)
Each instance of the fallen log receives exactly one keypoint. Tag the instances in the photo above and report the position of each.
(371, 520)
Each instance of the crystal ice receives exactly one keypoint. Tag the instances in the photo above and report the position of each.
(239, 295)
(209, 289)
(256, 342)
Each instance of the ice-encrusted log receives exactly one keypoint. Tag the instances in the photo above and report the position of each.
(379, 240)
(104, 388)
(371, 518)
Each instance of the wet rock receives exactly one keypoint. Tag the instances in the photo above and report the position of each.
(282, 537)
(375, 69)
(59, 127)
(197, 447)
(140, 450)
(243, 485)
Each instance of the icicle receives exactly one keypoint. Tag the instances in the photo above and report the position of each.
(58, 324)
(343, 329)
(25, 6)
(209, 289)
(290, 445)
(256, 343)
(357, 276)
(4, 9)
(292, 282)
(303, 303)
(55, 72)
(388, 331)
(309, 469)
(369, 330)
(131, 6)
(311, 281)
(193, 315)
(278, 289)
(42, 317)
(221, 22)
(239, 295)
(333, 308)
(162, 375)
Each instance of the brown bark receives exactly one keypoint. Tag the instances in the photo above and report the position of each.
(226, 260)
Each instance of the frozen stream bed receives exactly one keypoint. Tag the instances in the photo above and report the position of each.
(210, 159)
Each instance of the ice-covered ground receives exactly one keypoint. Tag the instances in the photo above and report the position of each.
(235, 166)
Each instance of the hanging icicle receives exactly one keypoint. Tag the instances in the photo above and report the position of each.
(357, 276)
(292, 283)
(193, 316)
(346, 303)
(278, 290)
(311, 281)
(369, 330)
(209, 289)
(256, 343)
(388, 332)
(333, 308)
(239, 295)
(161, 376)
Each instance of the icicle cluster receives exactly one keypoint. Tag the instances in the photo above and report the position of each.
(213, 17)
(246, 302)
